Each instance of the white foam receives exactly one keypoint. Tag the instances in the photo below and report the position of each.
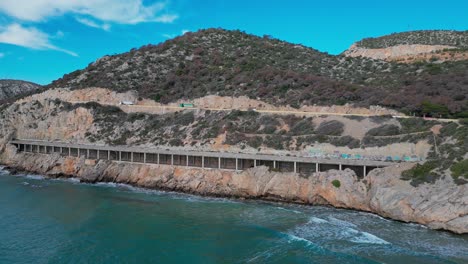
(356, 236)
(72, 180)
(289, 210)
(318, 220)
(374, 215)
(293, 238)
(339, 222)
(112, 184)
(368, 238)
(35, 177)
(3, 171)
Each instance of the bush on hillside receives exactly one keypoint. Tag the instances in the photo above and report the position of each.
(330, 128)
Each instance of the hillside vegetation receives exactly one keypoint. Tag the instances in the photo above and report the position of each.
(452, 38)
(233, 63)
(13, 89)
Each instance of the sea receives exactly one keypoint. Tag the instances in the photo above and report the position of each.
(65, 221)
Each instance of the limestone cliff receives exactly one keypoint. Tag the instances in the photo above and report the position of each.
(442, 205)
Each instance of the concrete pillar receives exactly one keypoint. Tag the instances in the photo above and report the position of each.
(295, 167)
(203, 162)
(97, 156)
(219, 162)
(158, 158)
(69, 151)
(186, 160)
(341, 167)
(255, 163)
(131, 156)
(87, 153)
(108, 154)
(144, 157)
(365, 171)
(120, 155)
(172, 159)
(274, 164)
(316, 167)
(237, 164)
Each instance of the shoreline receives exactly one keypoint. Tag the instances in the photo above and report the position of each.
(14, 171)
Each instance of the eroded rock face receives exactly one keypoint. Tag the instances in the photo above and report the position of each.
(443, 205)
(393, 53)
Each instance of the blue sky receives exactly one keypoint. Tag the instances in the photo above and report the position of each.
(40, 40)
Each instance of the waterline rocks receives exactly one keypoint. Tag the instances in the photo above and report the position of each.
(442, 205)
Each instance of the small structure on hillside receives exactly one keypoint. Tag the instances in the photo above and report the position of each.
(186, 105)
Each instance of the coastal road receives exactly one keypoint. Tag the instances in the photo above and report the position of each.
(162, 109)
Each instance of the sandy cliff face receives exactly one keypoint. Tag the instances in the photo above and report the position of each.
(395, 53)
(442, 205)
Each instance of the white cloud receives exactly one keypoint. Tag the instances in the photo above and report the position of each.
(167, 18)
(169, 36)
(91, 23)
(117, 11)
(32, 38)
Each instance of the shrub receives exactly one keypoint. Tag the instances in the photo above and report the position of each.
(433, 109)
(346, 141)
(132, 117)
(384, 130)
(331, 128)
(380, 119)
(274, 142)
(156, 97)
(185, 119)
(460, 169)
(176, 142)
(356, 118)
(303, 127)
(255, 142)
(336, 183)
(421, 173)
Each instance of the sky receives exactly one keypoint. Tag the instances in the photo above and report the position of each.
(41, 40)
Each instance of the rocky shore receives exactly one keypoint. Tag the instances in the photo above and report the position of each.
(442, 205)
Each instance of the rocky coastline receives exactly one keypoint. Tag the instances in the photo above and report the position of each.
(442, 205)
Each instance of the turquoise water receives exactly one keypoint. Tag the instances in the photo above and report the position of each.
(63, 221)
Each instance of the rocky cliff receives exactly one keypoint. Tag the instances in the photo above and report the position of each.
(14, 88)
(434, 46)
(393, 53)
(442, 205)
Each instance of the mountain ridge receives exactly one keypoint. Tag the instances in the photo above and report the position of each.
(11, 89)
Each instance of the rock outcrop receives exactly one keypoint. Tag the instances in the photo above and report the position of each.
(394, 53)
(443, 205)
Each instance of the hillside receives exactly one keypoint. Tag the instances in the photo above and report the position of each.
(458, 39)
(433, 46)
(232, 63)
(10, 89)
